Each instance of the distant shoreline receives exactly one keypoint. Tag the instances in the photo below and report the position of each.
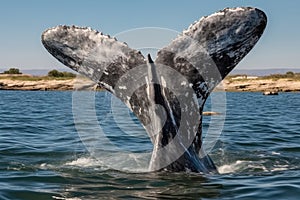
(289, 82)
(230, 84)
(44, 83)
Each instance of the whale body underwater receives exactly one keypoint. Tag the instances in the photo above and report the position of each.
(172, 89)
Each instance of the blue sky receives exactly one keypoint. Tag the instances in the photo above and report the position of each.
(22, 22)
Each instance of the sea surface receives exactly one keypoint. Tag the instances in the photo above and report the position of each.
(51, 149)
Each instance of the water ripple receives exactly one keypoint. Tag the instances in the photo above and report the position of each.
(42, 156)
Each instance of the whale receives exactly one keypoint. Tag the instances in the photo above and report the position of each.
(166, 94)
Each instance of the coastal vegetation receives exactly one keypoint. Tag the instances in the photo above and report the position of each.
(14, 79)
(288, 82)
(288, 75)
(16, 74)
(12, 71)
(54, 80)
(57, 74)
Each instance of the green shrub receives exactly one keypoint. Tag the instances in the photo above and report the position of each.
(12, 71)
(58, 74)
(69, 74)
(290, 74)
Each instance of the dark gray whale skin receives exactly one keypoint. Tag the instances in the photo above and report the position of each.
(204, 54)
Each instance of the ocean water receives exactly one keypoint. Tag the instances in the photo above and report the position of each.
(50, 150)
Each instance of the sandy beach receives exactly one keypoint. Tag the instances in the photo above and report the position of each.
(32, 83)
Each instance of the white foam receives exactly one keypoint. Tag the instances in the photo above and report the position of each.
(83, 162)
(275, 153)
(280, 168)
(63, 198)
(233, 167)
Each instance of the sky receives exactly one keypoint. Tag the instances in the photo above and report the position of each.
(22, 23)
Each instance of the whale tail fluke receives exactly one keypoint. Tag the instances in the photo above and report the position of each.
(167, 95)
